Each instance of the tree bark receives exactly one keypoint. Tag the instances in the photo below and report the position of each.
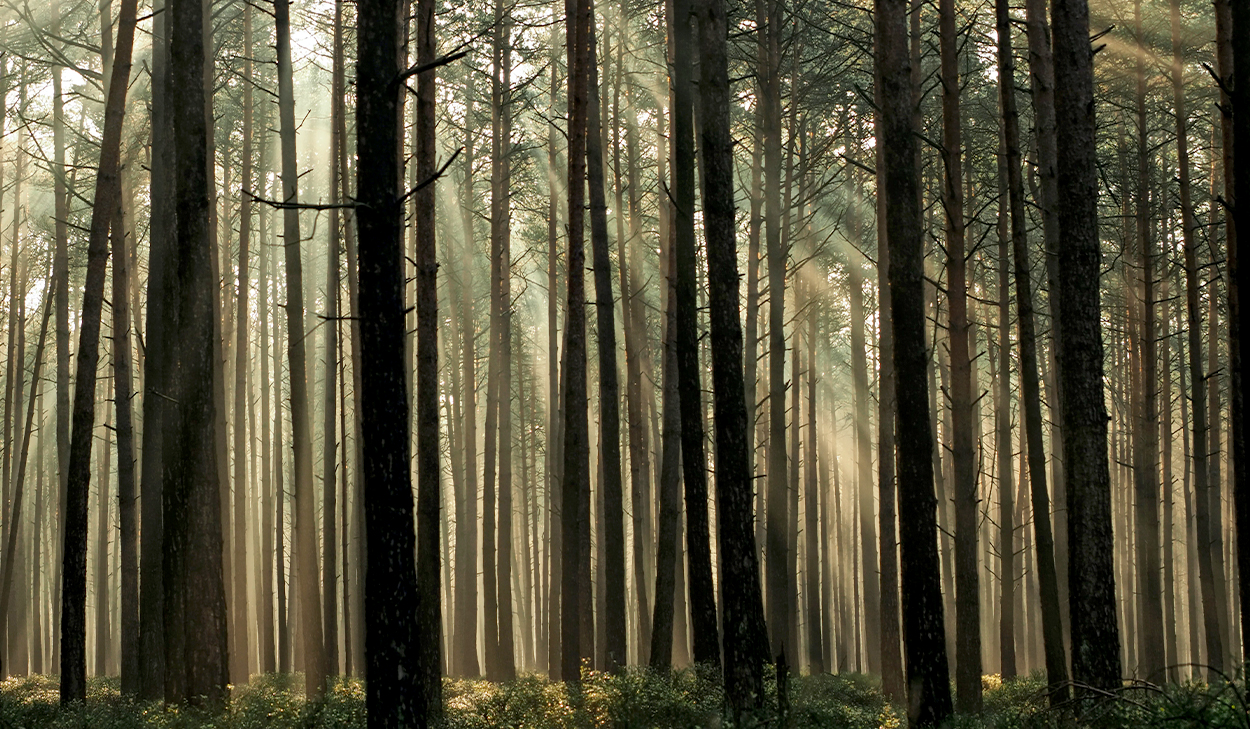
(1237, 275)
(196, 654)
(239, 649)
(963, 449)
(612, 581)
(1151, 661)
(126, 497)
(1042, 86)
(393, 698)
(305, 531)
(1002, 425)
(778, 578)
(575, 476)
(267, 638)
(744, 636)
(689, 388)
(887, 486)
(429, 609)
(929, 701)
(107, 198)
(329, 446)
(161, 273)
(816, 547)
(1030, 391)
(1091, 588)
(464, 629)
(667, 559)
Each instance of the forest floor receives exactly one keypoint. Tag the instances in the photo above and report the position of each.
(637, 699)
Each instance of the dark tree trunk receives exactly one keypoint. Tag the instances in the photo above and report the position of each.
(268, 647)
(1237, 275)
(1002, 423)
(887, 487)
(393, 697)
(155, 366)
(1091, 588)
(60, 265)
(816, 548)
(1146, 425)
(689, 388)
(612, 580)
(500, 653)
(1030, 391)
(553, 462)
(78, 469)
(239, 649)
(575, 476)
(429, 659)
(103, 626)
(1042, 86)
(196, 653)
(744, 637)
(667, 558)
(777, 575)
(126, 497)
(464, 629)
(929, 700)
(963, 448)
(304, 532)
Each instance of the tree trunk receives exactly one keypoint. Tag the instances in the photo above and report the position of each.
(553, 462)
(103, 624)
(1002, 422)
(196, 651)
(612, 580)
(393, 697)
(490, 574)
(887, 488)
(744, 637)
(107, 198)
(329, 447)
(338, 193)
(305, 530)
(280, 551)
(689, 389)
(1146, 425)
(927, 674)
(239, 649)
(1091, 588)
(464, 629)
(126, 498)
(161, 273)
(1042, 85)
(429, 618)
(963, 449)
(267, 638)
(816, 548)
(575, 477)
(500, 652)
(1030, 394)
(778, 579)
(1237, 275)
(667, 557)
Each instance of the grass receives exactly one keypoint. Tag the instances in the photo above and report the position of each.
(636, 699)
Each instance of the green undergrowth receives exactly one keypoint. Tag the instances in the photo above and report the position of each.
(635, 699)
